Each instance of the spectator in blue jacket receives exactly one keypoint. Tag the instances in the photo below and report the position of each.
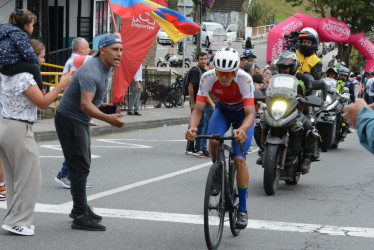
(361, 116)
(16, 53)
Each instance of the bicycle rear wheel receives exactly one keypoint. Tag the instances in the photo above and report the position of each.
(214, 207)
(234, 199)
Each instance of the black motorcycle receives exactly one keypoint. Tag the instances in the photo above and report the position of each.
(283, 147)
(174, 95)
(173, 61)
(330, 123)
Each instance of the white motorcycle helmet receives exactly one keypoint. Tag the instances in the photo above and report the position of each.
(309, 34)
(226, 60)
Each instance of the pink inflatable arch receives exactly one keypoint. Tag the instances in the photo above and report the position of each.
(329, 29)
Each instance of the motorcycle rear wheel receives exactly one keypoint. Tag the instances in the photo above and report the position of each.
(270, 164)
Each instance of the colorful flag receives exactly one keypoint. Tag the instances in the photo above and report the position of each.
(138, 33)
(176, 25)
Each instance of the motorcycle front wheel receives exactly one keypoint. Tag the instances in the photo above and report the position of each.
(159, 64)
(169, 100)
(270, 164)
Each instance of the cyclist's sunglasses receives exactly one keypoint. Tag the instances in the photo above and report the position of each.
(220, 74)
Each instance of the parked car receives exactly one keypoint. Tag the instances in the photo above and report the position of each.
(231, 33)
(162, 37)
(324, 48)
(207, 33)
(207, 29)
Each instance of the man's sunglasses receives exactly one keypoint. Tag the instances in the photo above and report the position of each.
(220, 74)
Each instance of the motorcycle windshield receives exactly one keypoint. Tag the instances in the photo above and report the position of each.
(283, 85)
(330, 82)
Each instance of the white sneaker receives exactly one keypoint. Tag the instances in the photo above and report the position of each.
(21, 230)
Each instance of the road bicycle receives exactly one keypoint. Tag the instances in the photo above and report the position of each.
(222, 198)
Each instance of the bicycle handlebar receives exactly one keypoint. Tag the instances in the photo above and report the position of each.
(222, 138)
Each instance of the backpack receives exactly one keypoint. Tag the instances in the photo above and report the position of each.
(185, 80)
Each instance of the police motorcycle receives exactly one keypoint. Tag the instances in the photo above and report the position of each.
(330, 123)
(173, 61)
(283, 147)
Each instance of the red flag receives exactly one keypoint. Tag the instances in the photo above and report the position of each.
(138, 34)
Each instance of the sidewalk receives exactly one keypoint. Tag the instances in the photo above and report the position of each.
(44, 130)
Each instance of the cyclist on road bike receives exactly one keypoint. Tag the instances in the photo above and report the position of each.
(233, 88)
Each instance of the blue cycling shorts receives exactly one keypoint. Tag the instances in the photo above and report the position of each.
(221, 121)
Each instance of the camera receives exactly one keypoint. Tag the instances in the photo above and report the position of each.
(292, 41)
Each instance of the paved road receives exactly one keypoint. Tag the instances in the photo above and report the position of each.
(259, 51)
(151, 196)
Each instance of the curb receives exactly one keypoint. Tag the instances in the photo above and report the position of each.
(104, 130)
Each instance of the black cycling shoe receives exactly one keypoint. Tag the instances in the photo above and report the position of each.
(215, 189)
(90, 213)
(85, 222)
(241, 219)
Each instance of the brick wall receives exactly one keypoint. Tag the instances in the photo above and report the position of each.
(150, 58)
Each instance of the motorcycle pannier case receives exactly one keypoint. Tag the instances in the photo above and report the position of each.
(326, 125)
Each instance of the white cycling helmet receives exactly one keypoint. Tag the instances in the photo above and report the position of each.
(226, 60)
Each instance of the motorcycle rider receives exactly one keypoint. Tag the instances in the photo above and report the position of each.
(306, 53)
(288, 63)
(345, 82)
(248, 43)
(331, 77)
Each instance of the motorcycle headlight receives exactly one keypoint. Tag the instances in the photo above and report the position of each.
(278, 109)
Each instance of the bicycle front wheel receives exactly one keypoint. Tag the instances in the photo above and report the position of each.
(214, 207)
(233, 198)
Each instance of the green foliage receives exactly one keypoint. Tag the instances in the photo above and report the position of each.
(283, 10)
(259, 13)
(172, 4)
(356, 13)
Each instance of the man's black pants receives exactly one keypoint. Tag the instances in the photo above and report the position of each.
(75, 141)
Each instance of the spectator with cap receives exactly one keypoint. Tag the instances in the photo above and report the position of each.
(80, 102)
(258, 80)
(243, 60)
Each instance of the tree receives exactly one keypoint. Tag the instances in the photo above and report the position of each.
(357, 14)
(259, 13)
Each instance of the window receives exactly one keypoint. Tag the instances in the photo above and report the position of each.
(19, 4)
(101, 17)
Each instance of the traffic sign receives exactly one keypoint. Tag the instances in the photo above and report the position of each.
(185, 6)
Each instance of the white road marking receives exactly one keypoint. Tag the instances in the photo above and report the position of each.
(198, 220)
(141, 183)
(151, 140)
(144, 182)
(58, 148)
(126, 145)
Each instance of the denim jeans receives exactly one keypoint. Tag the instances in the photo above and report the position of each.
(64, 172)
(205, 117)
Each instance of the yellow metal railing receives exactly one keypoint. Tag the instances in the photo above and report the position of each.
(56, 74)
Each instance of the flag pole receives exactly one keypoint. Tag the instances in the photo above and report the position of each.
(114, 21)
